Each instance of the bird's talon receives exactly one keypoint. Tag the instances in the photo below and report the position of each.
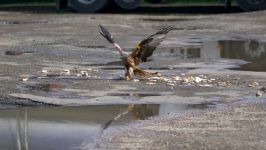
(127, 78)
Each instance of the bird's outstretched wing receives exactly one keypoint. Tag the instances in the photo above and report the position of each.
(146, 47)
(106, 34)
(109, 37)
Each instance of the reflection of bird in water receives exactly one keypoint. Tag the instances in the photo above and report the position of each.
(140, 54)
(140, 112)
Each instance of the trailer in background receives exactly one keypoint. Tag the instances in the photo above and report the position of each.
(96, 5)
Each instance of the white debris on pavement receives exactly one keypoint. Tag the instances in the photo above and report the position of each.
(65, 72)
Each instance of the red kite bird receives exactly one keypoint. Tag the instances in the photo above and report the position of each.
(140, 54)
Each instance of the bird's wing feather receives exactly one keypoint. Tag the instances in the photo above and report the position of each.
(106, 34)
(146, 47)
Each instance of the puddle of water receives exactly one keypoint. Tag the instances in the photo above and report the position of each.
(134, 94)
(254, 52)
(251, 51)
(46, 87)
(71, 127)
(52, 89)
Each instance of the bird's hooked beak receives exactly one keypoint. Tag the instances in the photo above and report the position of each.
(108, 36)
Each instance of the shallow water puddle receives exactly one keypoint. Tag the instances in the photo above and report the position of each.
(254, 52)
(71, 127)
(134, 94)
(251, 51)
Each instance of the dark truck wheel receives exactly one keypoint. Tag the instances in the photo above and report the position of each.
(128, 4)
(88, 6)
(251, 5)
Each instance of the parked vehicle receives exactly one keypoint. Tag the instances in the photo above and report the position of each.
(96, 5)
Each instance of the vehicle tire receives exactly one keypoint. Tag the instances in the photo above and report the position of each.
(128, 4)
(88, 6)
(251, 5)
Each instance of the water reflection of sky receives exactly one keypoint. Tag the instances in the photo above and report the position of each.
(254, 52)
(70, 127)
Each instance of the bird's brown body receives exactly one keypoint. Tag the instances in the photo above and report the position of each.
(131, 63)
(140, 54)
